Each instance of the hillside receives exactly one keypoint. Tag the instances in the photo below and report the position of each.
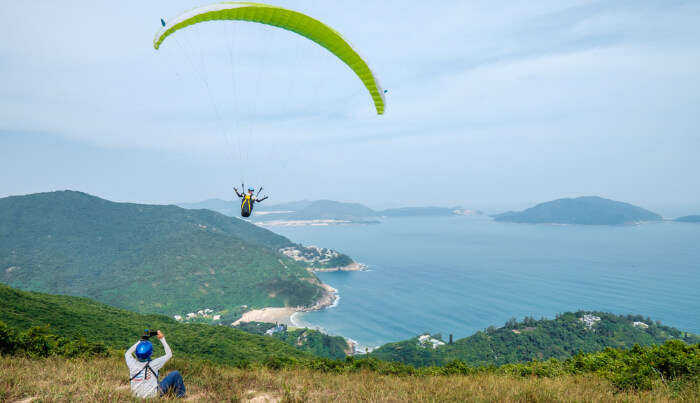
(74, 317)
(590, 210)
(222, 363)
(688, 218)
(146, 258)
(532, 339)
(105, 380)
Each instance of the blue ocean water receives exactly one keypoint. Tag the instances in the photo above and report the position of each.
(462, 274)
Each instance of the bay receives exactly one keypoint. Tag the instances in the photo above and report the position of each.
(459, 275)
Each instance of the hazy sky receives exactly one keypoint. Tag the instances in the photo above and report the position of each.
(491, 105)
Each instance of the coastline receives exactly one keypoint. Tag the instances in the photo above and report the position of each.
(354, 266)
(284, 315)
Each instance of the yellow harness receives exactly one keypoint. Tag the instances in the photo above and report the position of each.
(246, 200)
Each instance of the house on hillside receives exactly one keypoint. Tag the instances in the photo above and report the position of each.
(275, 329)
(589, 320)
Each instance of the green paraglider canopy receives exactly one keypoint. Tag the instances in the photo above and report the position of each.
(290, 20)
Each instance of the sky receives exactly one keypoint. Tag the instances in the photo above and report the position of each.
(490, 105)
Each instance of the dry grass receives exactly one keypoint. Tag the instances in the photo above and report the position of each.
(98, 380)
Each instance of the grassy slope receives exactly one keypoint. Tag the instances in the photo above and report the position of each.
(106, 380)
(117, 328)
(143, 257)
(590, 210)
(558, 338)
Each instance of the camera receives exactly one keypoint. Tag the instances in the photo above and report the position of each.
(147, 334)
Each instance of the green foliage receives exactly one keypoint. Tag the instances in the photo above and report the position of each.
(312, 341)
(146, 258)
(533, 339)
(589, 210)
(672, 363)
(37, 342)
(79, 320)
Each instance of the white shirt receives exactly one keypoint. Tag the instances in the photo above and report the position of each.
(145, 384)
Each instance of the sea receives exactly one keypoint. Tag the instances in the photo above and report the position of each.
(458, 275)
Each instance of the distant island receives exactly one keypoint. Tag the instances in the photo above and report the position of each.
(588, 210)
(324, 212)
(688, 218)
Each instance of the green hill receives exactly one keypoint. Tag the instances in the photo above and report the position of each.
(77, 325)
(74, 317)
(589, 210)
(146, 258)
(688, 218)
(532, 339)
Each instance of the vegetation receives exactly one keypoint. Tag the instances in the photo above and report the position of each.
(106, 380)
(317, 258)
(76, 318)
(532, 339)
(315, 342)
(146, 258)
(688, 218)
(311, 341)
(667, 372)
(80, 353)
(589, 210)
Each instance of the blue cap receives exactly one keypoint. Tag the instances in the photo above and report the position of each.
(251, 189)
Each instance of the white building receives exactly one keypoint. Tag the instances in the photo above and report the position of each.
(589, 320)
(640, 324)
(427, 339)
(216, 317)
(177, 317)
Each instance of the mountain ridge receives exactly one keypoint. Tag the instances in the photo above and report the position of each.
(148, 258)
(587, 210)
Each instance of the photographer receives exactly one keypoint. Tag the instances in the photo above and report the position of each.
(144, 371)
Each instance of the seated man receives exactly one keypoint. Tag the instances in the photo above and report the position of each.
(144, 372)
(248, 201)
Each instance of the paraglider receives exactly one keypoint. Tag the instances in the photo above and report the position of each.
(283, 18)
(289, 20)
(248, 200)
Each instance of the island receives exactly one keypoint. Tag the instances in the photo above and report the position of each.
(324, 212)
(588, 210)
(689, 218)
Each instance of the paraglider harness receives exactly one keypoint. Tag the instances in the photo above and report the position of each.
(145, 371)
(248, 201)
(146, 335)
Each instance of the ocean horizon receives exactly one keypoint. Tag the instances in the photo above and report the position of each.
(459, 275)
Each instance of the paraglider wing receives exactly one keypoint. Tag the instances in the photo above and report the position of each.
(290, 20)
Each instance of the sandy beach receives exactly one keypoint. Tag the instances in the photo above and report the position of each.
(284, 314)
(268, 315)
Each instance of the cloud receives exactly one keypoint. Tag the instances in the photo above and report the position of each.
(528, 85)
